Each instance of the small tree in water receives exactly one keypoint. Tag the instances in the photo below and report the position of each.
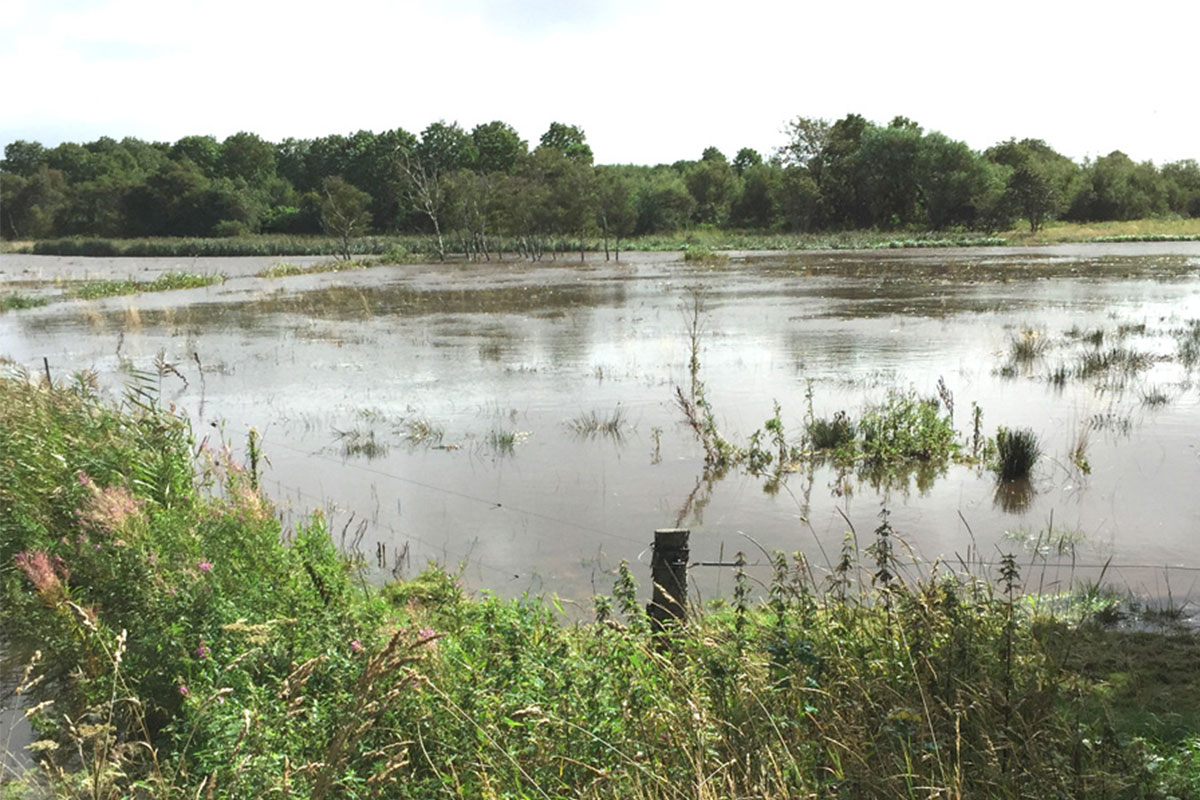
(344, 212)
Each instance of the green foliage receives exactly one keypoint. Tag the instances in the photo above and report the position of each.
(168, 281)
(570, 140)
(16, 302)
(831, 434)
(906, 427)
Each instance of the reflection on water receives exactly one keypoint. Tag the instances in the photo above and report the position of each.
(1014, 497)
(441, 405)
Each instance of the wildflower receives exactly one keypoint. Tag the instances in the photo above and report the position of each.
(356, 646)
(183, 691)
(36, 566)
(110, 509)
(427, 637)
(204, 566)
(202, 651)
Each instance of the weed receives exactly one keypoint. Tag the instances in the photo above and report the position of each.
(906, 427)
(831, 434)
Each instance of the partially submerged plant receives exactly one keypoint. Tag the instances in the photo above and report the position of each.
(1016, 451)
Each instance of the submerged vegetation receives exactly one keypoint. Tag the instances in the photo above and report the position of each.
(170, 639)
(17, 302)
(594, 423)
(169, 281)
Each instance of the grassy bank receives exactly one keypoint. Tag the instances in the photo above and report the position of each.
(179, 643)
(704, 239)
(1137, 230)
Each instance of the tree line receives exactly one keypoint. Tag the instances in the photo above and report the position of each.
(488, 183)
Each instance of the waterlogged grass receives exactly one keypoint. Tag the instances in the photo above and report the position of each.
(1114, 361)
(172, 617)
(18, 302)
(1027, 346)
(356, 442)
(1188, 339)
(594, 423)
(284, 269)
(170, 281)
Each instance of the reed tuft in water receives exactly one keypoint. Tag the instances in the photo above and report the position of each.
(1017, 451)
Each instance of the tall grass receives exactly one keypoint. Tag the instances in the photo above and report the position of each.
(193, 648)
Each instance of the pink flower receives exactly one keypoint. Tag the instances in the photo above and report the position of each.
(356, 646)
(427, 637)
(36, 566)
(205, 566)
(183, 690)
(202, 651)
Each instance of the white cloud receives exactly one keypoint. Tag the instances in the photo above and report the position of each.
(649, 82)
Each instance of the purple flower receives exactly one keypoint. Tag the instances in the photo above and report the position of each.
(205, 566)
(356, 646)
(183, 691)
(202, 651)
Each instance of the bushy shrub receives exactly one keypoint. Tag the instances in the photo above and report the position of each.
(905, 427)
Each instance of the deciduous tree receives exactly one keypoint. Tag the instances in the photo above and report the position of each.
(344, 212)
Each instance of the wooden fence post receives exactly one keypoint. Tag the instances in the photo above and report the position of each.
(668, 571)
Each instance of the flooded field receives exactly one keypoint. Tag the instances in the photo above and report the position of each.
(520, 419)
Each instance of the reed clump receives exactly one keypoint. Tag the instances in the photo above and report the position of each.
(1017, 451)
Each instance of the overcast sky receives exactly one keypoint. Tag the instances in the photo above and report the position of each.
(649, 81)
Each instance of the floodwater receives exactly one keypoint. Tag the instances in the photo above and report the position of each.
(342, 373)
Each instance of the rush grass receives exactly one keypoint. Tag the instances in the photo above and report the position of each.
(193, 647)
